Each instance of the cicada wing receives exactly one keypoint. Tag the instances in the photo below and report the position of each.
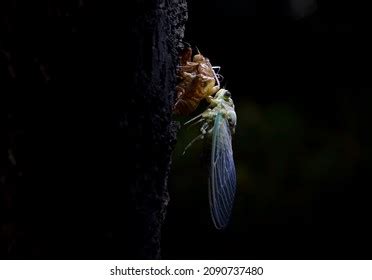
(222, 179)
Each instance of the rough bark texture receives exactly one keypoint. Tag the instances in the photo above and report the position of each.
(154, 82)
(86, 130)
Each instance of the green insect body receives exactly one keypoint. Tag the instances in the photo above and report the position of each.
(218, 122)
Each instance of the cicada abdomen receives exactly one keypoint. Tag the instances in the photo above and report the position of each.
(197, 80)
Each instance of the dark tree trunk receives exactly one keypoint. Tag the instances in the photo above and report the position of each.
(86, 130)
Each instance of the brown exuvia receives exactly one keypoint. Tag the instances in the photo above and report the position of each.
(197, 80)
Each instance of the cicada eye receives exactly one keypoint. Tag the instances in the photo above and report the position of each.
(227, 94)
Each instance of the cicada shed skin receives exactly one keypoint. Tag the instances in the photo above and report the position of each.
(197, 81)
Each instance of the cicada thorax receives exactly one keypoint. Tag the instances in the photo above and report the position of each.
(196, 82)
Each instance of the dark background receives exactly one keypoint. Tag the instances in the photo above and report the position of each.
(302, 146)
(303, 143)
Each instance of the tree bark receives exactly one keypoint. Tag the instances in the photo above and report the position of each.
(86, 128)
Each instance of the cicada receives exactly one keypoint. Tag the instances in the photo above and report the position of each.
(197, 80)
(218, 123)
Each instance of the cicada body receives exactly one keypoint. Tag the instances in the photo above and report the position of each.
(218, 124)
(197, 80)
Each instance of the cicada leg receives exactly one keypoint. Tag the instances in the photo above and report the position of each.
(194, 119)
(218, 68)
(189, 67)
(180, 91)
(217, 80)
(204, 130)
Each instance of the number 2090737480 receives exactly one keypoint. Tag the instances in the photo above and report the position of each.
(230, 270)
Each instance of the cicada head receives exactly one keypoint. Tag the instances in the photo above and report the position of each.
(224, 96)
(224, 103)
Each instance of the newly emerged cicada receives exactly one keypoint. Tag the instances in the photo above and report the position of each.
(197, 81)
(218, 123)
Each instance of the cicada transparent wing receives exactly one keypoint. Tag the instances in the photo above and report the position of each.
(222, 180)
